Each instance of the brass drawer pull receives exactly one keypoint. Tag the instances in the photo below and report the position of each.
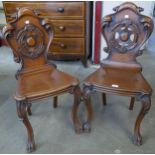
(62, 28)
(37, 12)
(17, 8)
(61, 10)
(62, 45)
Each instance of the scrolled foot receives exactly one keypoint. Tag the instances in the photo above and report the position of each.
(22, 107)
(78, 127)
(30, 147)
(137, 140)
(86, 127)
(146, 104)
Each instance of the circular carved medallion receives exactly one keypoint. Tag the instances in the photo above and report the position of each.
(124, 36)
(31, 41)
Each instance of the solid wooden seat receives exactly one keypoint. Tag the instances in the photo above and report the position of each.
(30, 38)
(118, 81)
(125, 32)
(51, 82)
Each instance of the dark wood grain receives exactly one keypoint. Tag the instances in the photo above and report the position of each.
(30, 38)
(125, 32)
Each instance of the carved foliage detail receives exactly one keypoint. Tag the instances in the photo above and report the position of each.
(31, 41)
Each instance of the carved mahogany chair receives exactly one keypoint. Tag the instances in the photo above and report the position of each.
(29, 37)
(125, 31)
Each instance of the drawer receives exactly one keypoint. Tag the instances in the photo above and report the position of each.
(67, 46)
(69, 28)
(52, 10)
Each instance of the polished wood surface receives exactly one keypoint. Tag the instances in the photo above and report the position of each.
(30, 38)
(67, 45)
(71, 21)
(125, 32)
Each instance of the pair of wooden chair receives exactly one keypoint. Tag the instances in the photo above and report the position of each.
(125, 32)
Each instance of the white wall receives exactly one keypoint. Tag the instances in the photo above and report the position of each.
(1, 5)
(107, 7)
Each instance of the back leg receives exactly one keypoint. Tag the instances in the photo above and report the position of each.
(29, 108)
(132, 103)
(104, 99)
(55, 102)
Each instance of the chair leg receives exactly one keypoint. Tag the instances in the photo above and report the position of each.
(77, 98)
(132, 103)
(86, 95)
(104, 99)
(29, 109)
(22, 114)
(146, 104)
(55, 102)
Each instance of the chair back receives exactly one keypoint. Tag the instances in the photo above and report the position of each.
(125, 32)
(29, 37)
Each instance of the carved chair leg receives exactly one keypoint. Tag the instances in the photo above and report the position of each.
(132, 103)
(86, 95)
(77, 98)
(146, 104)
(22, 114)
(29, 109)
(55, 102)
(104, 99)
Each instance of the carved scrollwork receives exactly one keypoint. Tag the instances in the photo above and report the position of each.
(31, 41)
(87, 89)
(128, 5)
(123, 30)
(7, 33)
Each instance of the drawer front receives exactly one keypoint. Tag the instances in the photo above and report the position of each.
(68, 28)
(52, 10)
(67, 46)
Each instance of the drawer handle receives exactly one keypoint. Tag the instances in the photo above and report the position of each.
(62, 45)
(17, 8)
(62, 28)
(61, 10)
(37, 12)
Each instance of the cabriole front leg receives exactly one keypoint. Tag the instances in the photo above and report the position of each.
(146, 104)
(22, 114)
(87, 90)
(77, 98)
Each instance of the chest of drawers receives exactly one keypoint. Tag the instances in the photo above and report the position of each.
(71, 21)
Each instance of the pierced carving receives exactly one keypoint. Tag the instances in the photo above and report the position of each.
(123, 30)
(31, 41)
(124, 36)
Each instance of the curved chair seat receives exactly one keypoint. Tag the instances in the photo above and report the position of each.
(45, 81)
(118, 81)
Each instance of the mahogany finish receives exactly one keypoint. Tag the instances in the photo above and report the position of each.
(71, 22)
(125, 32)
(30, 38)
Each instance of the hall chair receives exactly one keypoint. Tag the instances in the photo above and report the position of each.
(125, 33)
(29, 38)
